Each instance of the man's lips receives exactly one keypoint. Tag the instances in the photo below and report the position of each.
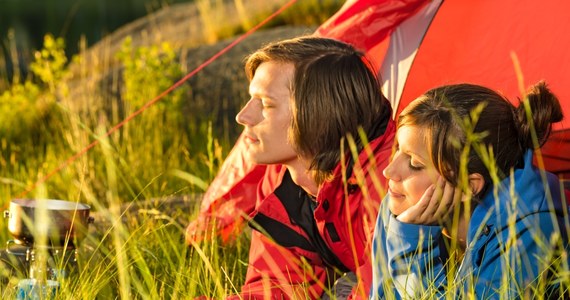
(250, 139)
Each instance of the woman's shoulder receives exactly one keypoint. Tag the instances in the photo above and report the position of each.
(528, 199)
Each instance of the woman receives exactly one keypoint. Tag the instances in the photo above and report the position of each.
(467, 213)
(317, 116)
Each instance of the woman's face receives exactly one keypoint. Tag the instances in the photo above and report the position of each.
(410, 171)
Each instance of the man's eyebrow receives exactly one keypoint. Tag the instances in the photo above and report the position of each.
(262, 94)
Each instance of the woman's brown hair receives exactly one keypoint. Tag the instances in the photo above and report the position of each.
(446, 112)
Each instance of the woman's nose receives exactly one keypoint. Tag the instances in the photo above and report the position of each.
(248, 115)
(391, 172)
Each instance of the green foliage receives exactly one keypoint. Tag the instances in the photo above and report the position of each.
(23, 106)
(149, 71)
(50, 62)
(19, 110)
(43, 126)
(29, 114)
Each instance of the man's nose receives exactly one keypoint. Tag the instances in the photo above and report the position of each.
(248, 115)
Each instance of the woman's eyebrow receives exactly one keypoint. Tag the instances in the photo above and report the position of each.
(417, 156)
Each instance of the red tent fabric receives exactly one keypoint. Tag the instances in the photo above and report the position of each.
(415, 45)
(506, 45)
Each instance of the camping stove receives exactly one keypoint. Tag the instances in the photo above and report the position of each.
(44, 263)
(48, 262)
(42, 267)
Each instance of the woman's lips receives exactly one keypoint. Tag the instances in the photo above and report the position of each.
(394, 194)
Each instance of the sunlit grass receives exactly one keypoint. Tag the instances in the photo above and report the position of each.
(154, 260)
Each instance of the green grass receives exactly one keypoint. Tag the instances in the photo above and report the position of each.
(139, 254)
(144, 258)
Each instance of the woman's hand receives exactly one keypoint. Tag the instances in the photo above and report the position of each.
(435, 206)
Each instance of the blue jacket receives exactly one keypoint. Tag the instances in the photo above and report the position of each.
(510, 242)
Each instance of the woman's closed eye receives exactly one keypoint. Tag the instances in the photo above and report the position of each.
(415, 166)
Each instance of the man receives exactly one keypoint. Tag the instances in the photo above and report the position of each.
(317, 117)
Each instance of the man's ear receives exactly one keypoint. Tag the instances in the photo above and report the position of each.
(476, 183)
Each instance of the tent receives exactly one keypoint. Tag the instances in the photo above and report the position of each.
(415, 45)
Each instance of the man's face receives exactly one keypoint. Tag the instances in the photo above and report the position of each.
(267, 115)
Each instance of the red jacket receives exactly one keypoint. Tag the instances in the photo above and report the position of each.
(291, 264)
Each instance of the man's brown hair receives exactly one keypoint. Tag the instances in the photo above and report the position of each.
(335, 93)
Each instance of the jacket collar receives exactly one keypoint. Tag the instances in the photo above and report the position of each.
(522, 193)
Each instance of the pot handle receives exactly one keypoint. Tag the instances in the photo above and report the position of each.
(90, 220)
(10, 242)
(7, 214)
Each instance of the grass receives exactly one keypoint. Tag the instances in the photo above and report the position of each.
(143, 257)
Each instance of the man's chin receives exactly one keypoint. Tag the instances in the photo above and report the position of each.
(252, 157)
(261, 159)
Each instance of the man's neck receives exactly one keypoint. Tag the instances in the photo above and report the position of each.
(302, 177)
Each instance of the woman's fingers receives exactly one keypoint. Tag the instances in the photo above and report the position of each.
(430, 214)
(446, 203)
(415, 214)
(422, 212)
(435, 206)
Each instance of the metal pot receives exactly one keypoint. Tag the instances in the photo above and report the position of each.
(67, 222)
